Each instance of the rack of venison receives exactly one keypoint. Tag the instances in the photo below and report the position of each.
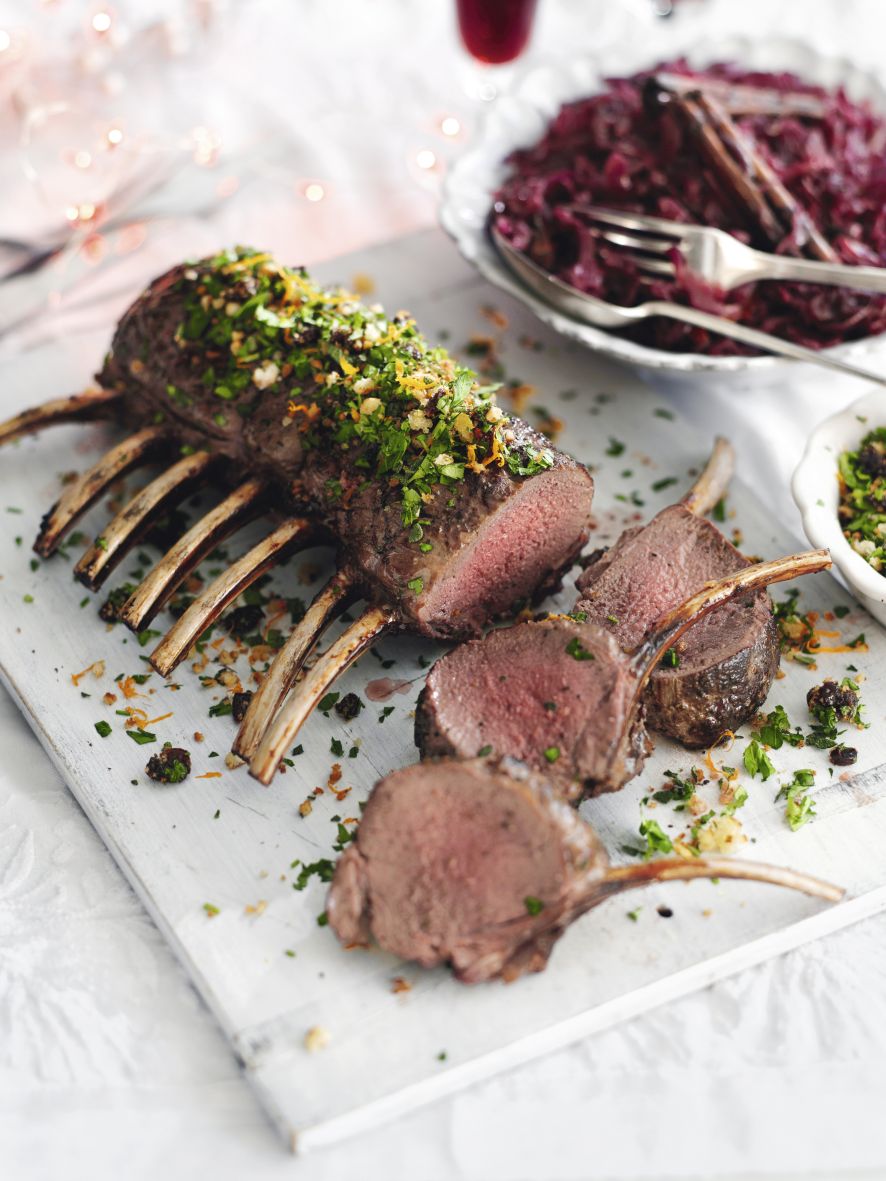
(349, 426)
(482, 863)
(345, 425)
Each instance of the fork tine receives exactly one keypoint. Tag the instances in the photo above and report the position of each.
(350, 645)
(295, 533)
(633, 221)
(78, 497)
(329, 602)
(173, 568)
(122, 533)
(654, 266)
(634, 242)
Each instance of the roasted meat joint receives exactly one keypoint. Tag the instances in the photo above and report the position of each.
(449, 516)
(353, 429)
(481, 864)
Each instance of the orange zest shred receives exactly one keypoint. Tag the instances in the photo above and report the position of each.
(242, 263)
(814, 647)
(209, 775)
(716, 771)
(161, 718)
(97, 668)
(129, 689)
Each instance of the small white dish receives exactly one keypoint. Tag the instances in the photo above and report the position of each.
(519, 118)
(817, 495)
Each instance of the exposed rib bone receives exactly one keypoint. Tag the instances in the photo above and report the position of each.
(201, 539)
(628, 877)
(340, 655)
(206, 608)
(129, 524)
(78, 497)
(338, 592)
(711, 485)
(677, 621)
(85, 407)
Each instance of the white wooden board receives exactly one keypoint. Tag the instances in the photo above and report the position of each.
(390, 1051)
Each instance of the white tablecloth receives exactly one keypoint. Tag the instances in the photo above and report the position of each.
(109, 1065)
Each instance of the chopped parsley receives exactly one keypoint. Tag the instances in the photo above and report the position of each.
(141, 736)
(862, 509)
(322, 870)
(103, 729)
(757, 761)
(799, 808)
(379, 396)
(533, 905)
(776, 730)
(577, 651)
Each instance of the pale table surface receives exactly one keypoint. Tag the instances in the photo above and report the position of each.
(109, 1065)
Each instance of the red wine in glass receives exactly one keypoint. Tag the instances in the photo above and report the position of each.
(495, 31)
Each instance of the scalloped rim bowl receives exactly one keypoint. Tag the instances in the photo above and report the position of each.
(816, 493)
(520, 117)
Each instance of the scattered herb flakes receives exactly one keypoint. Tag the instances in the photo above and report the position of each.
(552, 753)
(577, 651)
(416, 585)
(666, 482)
(325, 704)
(681, 790)
(322, 919)
(756, 760)
(657, 841)
(103, 729)
(145, 637)
(322, 870)
(738, 800)
(799, 807)
(718, 512)
(634, 914)
(533, 905)
(141, 736)
(776, 730)
(221, 708)
(385, 713)
(337, 748)
(211, 910)
(671, 658)
(615, 448)
(660, 412)
(841, 611)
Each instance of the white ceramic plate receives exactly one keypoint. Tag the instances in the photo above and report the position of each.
(816, 492)
(520, 117)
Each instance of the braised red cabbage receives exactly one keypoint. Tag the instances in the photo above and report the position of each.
(613, 150)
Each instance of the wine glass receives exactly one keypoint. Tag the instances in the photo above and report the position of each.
(495, 33)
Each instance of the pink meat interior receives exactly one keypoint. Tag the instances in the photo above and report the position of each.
(535, 532)
(451, 852)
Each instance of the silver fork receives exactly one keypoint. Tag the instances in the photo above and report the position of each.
(590, 310)
(716, 256)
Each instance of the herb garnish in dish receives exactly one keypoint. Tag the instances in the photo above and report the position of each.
(862, 511)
